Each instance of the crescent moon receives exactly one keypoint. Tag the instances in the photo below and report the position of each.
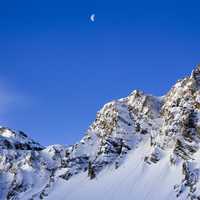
(92, 17)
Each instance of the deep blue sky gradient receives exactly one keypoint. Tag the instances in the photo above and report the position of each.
(67, 67)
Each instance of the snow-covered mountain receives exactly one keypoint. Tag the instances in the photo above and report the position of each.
(139, 147)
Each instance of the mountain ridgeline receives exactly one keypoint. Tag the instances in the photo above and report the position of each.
(139, 147)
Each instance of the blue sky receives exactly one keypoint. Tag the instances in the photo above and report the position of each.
(57, 68)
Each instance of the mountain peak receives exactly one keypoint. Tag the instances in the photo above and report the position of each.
(196, 72)
(133, 139)
(10, 139)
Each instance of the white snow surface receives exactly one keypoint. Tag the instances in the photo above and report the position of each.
(134, 179)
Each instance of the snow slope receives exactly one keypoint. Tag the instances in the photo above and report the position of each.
(134, 179)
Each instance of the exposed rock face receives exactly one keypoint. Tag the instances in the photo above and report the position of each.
(170, 124)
